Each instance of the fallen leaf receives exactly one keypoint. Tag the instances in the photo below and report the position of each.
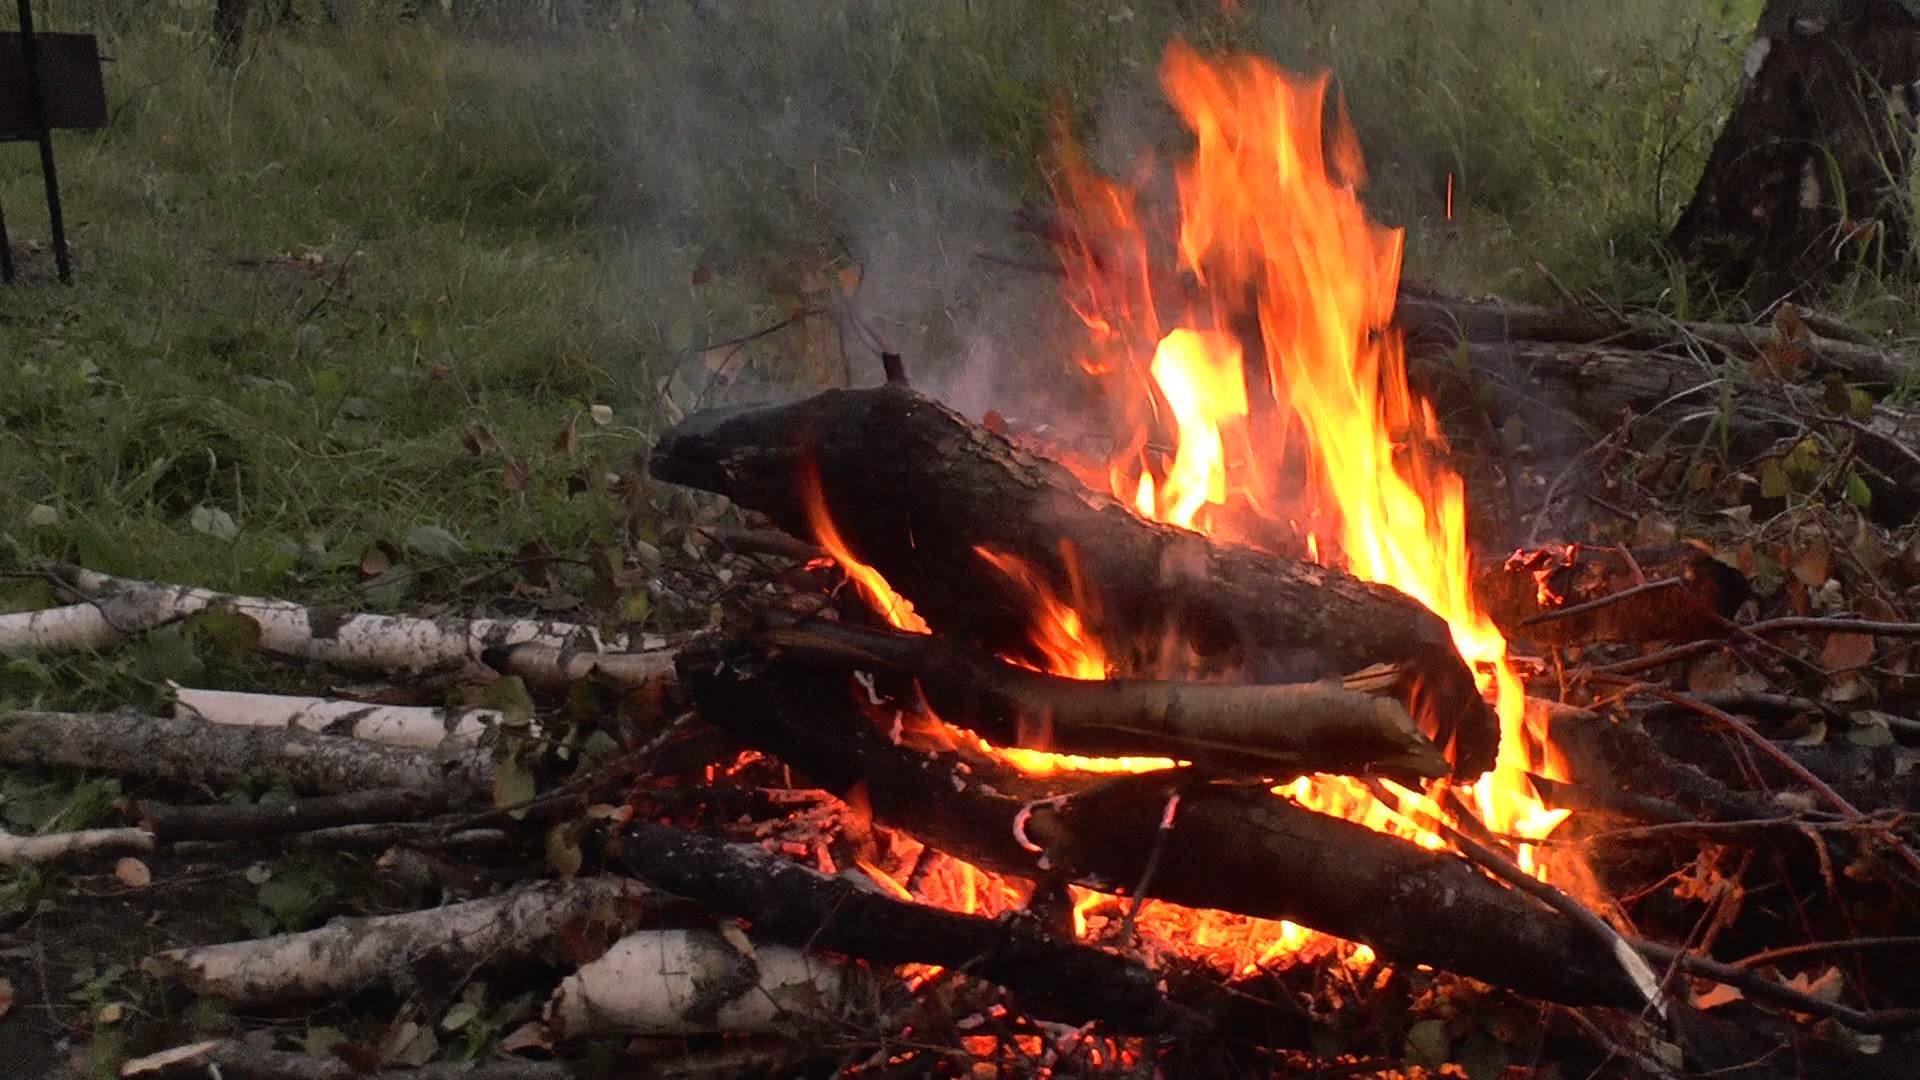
(213, 521)
(41, 516)
(110, 1013)
(516, 474)
(459, 1016)
(601, 415)
(563, 851)
(1844, 652)
(529, 1036)
(133, 873)
(6, 997)
(1716, 996)
(1812, 563)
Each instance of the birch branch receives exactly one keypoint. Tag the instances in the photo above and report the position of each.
(414, 727)
(75, 626)
(350, 955)
(379, 642)
(66, 846)
(197, 752)
(691, 982)
(231, 1059)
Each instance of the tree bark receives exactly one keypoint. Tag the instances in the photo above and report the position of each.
(1580, 594)
(1814, 160)
(229, 30)
(915, 489)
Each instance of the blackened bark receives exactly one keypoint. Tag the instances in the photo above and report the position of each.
(915, 489)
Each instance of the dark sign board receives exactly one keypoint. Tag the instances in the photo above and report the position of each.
(70, 77)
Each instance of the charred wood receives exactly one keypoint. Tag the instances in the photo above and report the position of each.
(915, 489)
(1230, 846)
(1262, 728)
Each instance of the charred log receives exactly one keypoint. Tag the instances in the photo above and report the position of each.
(1230, 848)
(916, 490)
(787, 902)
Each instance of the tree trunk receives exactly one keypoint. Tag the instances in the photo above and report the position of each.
(1811, 171)
(229, 30)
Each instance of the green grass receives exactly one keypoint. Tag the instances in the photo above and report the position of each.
(304, 286)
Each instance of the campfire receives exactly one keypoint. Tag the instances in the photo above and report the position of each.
(1194, 715)
(1261, 596)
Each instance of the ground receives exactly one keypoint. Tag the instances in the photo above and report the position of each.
(396, 304)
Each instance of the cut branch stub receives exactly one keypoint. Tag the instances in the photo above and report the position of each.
(915, 489)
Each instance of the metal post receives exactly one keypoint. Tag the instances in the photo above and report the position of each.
(37, 95)
(6, 252)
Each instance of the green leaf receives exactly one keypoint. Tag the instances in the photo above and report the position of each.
(1858, 493)
(167, 654)
(509, 695)
(435, 543)
(1860, 404)
(512, 783)
(230, 633)
(459, 1016)
(291, 900)
(213, 521)
(1773, 480)
(635, 607)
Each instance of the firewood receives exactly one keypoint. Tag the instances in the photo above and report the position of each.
(786, 901)
(198, 752)
(695, 982)
(1291, 728)
(236, 1059)
(914, 488)
(254, 821)
(72, 846)
(1231, 846)
(414, 727)
(351, 955)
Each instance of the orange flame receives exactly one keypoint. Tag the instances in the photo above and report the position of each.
(896, 609)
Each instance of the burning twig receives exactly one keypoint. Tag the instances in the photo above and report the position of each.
(1311, 727)
(1591, 606)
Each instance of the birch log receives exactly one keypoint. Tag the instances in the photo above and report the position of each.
(350, 955)
(65, 846)
(413, 727)
(693, 982)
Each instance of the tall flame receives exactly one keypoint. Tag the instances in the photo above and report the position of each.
(1291, 271)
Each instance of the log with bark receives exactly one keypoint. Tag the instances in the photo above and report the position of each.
(1811, 170)
(1230, 846)
(945, 488)
(1269, 729)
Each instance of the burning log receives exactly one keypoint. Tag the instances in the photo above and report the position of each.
(1230, 844)
(946, 488)
(785, 901)
(1292, 728)
(1578, 594)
